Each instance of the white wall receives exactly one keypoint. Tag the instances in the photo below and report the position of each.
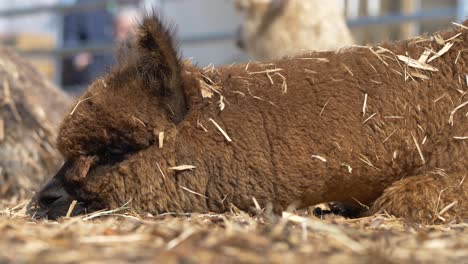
(192, 17)
(202, 17)
(31, 23)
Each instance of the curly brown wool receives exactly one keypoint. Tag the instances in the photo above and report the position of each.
(352, 125)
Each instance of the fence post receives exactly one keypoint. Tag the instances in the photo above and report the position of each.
(58, 60)
(409, 29)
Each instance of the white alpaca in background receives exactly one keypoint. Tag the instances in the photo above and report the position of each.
(275, 28)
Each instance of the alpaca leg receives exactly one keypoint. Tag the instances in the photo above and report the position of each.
(429, 198)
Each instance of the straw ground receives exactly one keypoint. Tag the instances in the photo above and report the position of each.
(123, 236)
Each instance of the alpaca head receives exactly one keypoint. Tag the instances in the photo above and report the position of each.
(115, 123)
(258, 15)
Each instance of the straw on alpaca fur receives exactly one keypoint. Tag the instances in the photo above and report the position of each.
(275, 136)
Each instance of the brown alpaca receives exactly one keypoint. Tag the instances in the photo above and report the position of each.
(354, 125)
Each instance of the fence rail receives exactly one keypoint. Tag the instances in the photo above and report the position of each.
(63, 9)
(397, 18)
(391, 18)
(459, 13)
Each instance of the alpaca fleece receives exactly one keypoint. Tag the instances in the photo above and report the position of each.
(31, 109)
(275, 28)
(355, 125)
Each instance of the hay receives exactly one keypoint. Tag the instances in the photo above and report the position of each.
(207, 87)
(193, 192)
(364, 105)
(454, 111)
(71, 208)
(31, 109)
(221, 130)
(122, 236)
(322, 159)
(378, 56)
(423, 160)
(369, 118)
(161, 139)
(221, 103)
(199, 124)
(416, 64)
(424, 56)
(366, 160)
(160, 170)
(78, 104)
(323, 108)
(441, 51)
(182, 167)
(348, 167)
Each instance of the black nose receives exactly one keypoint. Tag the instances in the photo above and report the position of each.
(47, 199)
(51, 193)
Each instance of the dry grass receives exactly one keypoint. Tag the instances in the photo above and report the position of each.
(123, 236)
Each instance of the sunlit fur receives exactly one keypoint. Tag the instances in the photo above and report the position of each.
(301, 132)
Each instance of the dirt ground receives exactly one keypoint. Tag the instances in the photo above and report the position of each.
(122, 236)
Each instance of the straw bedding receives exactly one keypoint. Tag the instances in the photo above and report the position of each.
(123, 236)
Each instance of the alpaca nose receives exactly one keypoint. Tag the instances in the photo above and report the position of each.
(51, 193)
(48, 198)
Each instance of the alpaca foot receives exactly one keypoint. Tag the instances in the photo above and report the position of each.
(337, 208)
(430, 198)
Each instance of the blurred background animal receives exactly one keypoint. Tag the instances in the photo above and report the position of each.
(275, 28)
(31, 108)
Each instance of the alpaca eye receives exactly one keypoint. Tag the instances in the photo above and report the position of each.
(116, 151)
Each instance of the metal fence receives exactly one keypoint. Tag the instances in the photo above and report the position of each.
(460, 11)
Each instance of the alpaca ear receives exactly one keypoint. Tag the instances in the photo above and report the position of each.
(242, 5)
(159, 65)
(276, 7)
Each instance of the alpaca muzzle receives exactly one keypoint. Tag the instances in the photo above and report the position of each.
(54, 199)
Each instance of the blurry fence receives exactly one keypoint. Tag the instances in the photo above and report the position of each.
(409, 14)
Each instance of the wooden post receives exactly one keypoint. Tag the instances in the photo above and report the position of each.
(407, 30)
(352, 8)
